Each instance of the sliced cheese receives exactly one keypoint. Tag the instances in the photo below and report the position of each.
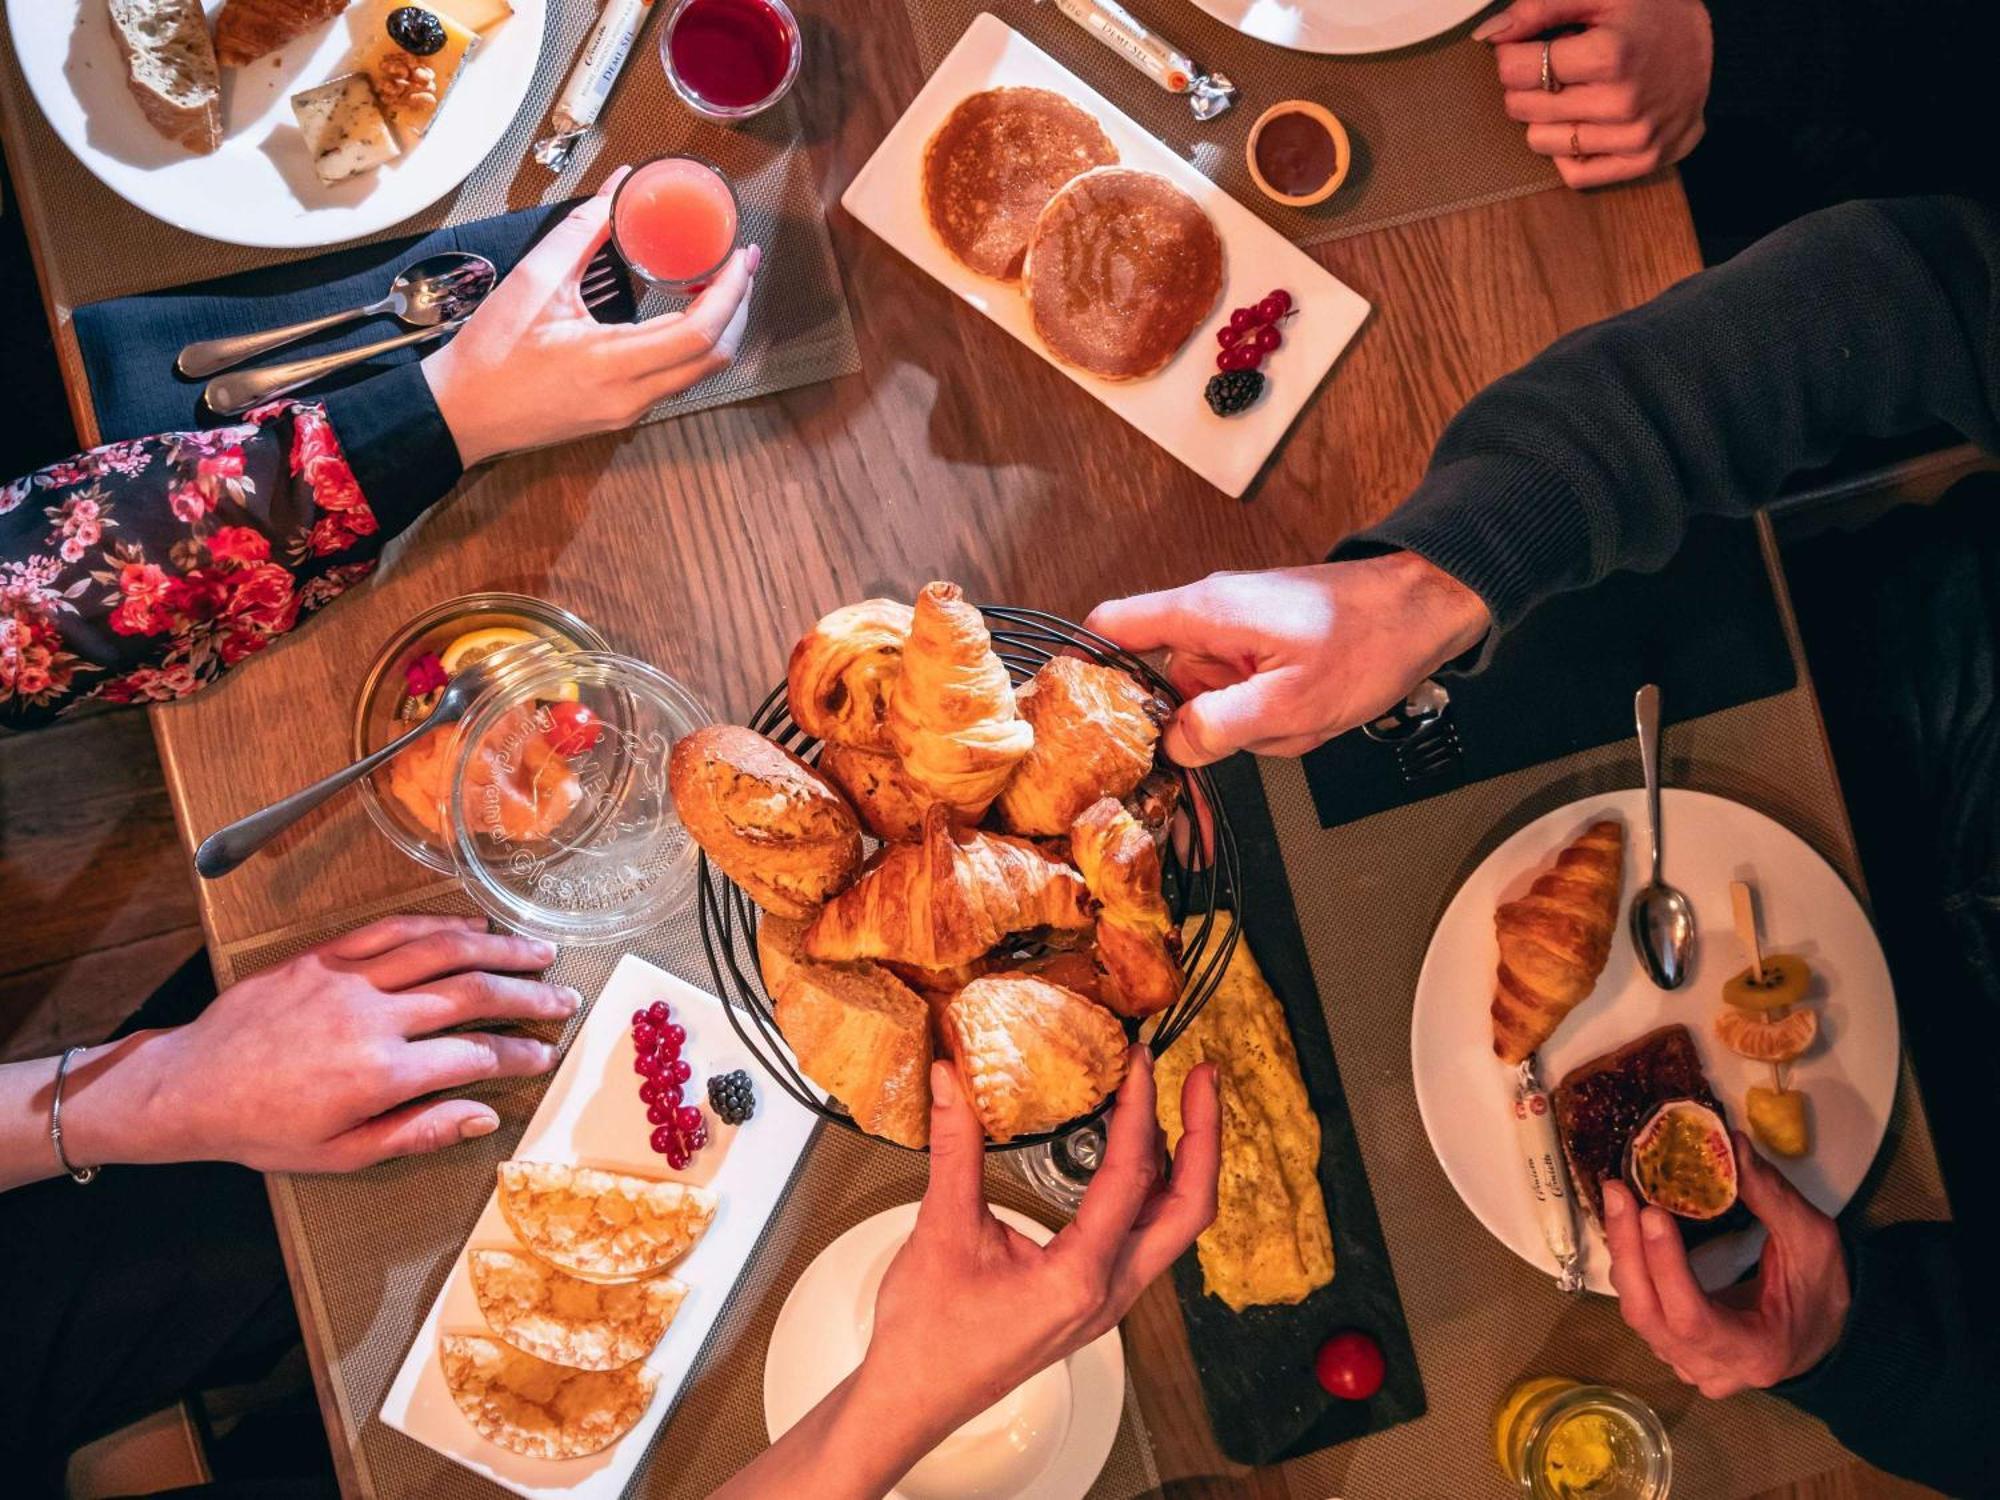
(474, 15)
(391, 69)
(344, 127)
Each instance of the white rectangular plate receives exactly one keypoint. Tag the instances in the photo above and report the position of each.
(887, 196)
(591, 1116)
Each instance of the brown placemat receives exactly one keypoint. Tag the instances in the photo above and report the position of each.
(1481, 1317)
(373, 1249)
(1428, 132)
(100, 246)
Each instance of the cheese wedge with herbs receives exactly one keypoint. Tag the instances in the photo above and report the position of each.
(344, 128)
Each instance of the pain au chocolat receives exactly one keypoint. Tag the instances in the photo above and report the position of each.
(1122, 267)
(993, 165)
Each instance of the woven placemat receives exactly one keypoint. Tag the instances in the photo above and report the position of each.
(373, 1249)
(1428, 132)
(1481, 1317)
(100, 246)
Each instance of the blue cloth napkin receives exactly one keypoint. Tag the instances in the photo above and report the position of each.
(129, 343)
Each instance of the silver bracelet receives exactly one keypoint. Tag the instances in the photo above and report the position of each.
(76, 1174)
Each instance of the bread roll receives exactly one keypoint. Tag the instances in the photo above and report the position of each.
(766, 818)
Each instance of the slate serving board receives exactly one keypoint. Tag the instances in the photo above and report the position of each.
(1256, 1367)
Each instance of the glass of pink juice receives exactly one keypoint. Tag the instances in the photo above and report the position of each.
(675, 221)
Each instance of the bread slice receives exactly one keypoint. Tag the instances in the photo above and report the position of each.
(857, 1031)
(170, 68)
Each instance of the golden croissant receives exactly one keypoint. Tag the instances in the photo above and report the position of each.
(843, 673)
(1138, 945)
(1031, 1054)
(247, 29)
(1094, 734)
(952, 717)
(1555, 939)
(947, 899)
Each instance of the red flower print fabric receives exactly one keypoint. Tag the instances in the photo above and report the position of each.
(142, 570)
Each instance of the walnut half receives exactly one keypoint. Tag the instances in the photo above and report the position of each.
(405, 83)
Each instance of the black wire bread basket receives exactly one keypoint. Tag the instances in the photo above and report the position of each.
(1200, 871)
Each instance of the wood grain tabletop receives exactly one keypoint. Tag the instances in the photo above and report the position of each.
(706, 544)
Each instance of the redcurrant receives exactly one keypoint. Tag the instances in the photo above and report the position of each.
(659, 1114)
(663, 1140)
(1228, 334)
(1243, 319)
(1268, 338)
(676, 1070)
(657, 1012)
(1245, 356)
(646, 1065)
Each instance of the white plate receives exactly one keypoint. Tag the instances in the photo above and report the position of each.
(258, 188)
(1849, 1075)
(1047, 1440)
(887, 196)
(592, 1116)
(1342, 26)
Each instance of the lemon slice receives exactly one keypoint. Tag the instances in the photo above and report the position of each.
(477, 645)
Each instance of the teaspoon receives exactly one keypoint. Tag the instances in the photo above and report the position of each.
(1662, 920)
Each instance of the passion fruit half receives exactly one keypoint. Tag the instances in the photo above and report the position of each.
(1681, 1160)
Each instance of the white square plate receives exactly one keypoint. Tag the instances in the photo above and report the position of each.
(887, 196)
(591, 1116)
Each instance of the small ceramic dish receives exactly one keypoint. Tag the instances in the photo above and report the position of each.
(1298, 153)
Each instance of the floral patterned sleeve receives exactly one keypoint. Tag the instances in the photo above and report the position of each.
(140, 571)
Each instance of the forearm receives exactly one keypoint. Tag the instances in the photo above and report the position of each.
(141, 571)
(108, 1113)
(854, 1445)
(1869, 319)
(1915, 1380)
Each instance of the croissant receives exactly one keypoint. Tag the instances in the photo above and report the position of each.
(952, 717)
(947, 898)
(247, 29)
(843, 672)
(1094, 734)
(1555, 939)
(1138, 945)
(1031, 1054)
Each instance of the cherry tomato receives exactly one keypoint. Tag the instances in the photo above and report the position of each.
(1349, 1365)
(573, 729)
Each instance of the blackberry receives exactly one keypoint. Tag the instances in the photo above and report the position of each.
(1233, 390)
(416, 30)
(731, 1098)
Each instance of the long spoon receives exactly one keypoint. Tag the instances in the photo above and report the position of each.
(1662, 920)
(416, 297)
(226, 848)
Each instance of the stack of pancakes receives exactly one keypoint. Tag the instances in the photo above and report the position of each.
(1119, 266)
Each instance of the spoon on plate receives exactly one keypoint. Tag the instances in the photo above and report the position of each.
(1662, 920)
(416, 298)
(226, 848)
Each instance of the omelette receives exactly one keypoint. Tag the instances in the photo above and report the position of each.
(1270, 1242)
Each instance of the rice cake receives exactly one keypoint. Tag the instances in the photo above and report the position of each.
(992, 166)
(1122, 268)
(554, 1316)
(531, 1407)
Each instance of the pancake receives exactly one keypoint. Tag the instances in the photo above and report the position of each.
(993, 165)
(1122, 267)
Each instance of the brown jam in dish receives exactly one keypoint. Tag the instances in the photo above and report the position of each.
(1296, 154)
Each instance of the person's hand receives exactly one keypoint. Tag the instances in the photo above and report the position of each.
(970, 1308)
(1278, 662)
(533, 367)
(1779, 1324)
(1634, 82)
(322, 1063)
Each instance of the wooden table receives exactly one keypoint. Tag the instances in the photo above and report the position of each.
(705, 544)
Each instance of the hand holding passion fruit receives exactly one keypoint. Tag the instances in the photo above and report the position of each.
(1778, 1325)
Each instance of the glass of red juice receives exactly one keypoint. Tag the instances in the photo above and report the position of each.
(730, 59)
(675, 221)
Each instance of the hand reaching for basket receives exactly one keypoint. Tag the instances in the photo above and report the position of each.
(1280, 661)
(969, 1308)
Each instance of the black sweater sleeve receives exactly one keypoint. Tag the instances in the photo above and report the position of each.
(1869, 319)
(1913, 1385)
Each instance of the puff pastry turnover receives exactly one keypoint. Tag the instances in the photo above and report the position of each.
(1031, 1054)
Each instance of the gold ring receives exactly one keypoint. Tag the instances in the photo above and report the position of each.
(1575, 145)
(1550, 83)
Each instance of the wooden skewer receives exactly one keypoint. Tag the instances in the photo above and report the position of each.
(1743, 904)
